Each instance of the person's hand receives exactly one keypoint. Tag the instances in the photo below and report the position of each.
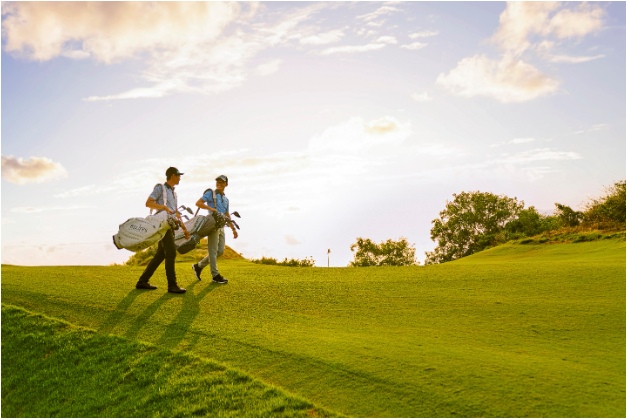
(235, 233)
(168, 210)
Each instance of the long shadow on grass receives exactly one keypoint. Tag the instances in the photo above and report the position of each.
(174, 333)
(120, 311)
(177, 329)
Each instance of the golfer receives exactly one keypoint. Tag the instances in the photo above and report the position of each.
(216, 240)
(166, 248)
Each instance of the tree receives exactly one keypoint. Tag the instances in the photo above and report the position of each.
(530, 222)
(368, 253)
(470, 223)
(609, 208)
(568, 217)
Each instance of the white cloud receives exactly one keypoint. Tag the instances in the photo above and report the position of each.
(596, 127)
(47, 209)
(508, 80)
(515, 141)
(583, 20)
(536, 173)
(511, 79)
(384, 10)
(281, 32)
(110, 31)
(357, 136)
(573, 60)
(521, 140)
(541, 154)
(324, 38)
(182, 43)
(33, 170)
(352, 49)
(521, 20)
(269, 67)
(414, 46)
(76, 55)
(422, 97)
(78, 191)
(423, 34)
(291, 240)
(387, 40)
(375, 24)
(345, 151)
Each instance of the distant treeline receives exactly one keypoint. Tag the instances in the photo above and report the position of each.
(292, 262)
(474, 221)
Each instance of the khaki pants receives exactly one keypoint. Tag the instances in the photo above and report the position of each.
(215, 248)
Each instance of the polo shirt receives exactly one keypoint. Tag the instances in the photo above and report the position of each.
(223, 201)
(158, 196)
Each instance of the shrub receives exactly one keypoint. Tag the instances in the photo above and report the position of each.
(611, 207)
(390, 253)
(568, 217)
(292, 262)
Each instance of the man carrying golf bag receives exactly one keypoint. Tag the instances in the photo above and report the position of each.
(166, 248)
(216, 239)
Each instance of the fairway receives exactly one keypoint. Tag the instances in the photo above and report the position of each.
(515, 331)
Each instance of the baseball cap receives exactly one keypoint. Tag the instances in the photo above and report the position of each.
(172, 171)
(223, 178)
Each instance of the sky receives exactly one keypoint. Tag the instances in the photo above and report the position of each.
(332, 120)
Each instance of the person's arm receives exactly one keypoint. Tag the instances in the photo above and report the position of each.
(152, 204)
(201, 204)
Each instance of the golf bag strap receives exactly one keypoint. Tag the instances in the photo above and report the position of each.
(164, 196)
(215, 202)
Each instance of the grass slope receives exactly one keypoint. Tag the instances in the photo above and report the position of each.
(515, 331)
(54, 369)
(142, 258)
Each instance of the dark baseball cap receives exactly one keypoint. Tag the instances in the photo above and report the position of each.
(223, 178)
(172, 171)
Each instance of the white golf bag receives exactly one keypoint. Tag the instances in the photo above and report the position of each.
(139, 233)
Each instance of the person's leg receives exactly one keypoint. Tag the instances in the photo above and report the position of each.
(152, 265)
(170, 254)
(221, 242)
(212, 251)
(212, 240)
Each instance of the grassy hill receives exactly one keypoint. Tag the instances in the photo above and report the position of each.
(142, 258)
(530, 330)
(55, 369)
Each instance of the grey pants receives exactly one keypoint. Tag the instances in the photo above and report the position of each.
(215, 248)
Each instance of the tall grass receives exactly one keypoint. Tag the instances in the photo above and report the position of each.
(54, 369)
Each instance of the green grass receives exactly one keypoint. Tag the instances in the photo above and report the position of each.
(54, 369)
(515, 331)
